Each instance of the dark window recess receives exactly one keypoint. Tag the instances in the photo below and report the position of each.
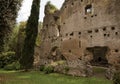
(108, 35)
(88, 9)
(61, 39)
(66, 34)
(89, 31)
(113, 28)
(81, 0)
(72, 34)
(79, 33)
(104, 29)
(70, 51)
(92, 16)
(116, 33)
(70, 38)
(91, 36)
(116, 50)
(104, 34)
(96, 30)
(72, 4)
(64, 23)
(95, 14)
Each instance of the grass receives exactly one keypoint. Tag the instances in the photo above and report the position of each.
(34, 77)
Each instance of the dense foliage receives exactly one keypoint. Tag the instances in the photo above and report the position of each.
(6, 58)
(27, 58)
(11, 43)
(47, 69)
(20, 40)
(8, 14)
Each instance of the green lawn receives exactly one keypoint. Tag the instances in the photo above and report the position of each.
(34, 77)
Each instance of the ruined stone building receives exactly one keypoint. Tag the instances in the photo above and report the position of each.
(82, 30)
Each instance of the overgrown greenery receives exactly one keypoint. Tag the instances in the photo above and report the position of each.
(13, 47)
(12, 66)
(48, 69)
(27, 58)
(6, 58)
(50, 8)
(11, 42)
(20, 40)
(8, 14)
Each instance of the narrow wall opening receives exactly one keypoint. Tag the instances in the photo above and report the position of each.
(88, 9)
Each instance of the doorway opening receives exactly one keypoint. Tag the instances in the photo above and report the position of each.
(99, 55)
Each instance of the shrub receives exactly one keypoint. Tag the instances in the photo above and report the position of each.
(42, 68)
(48, 69)
(6, 58)
(116, 78)
(13, 66)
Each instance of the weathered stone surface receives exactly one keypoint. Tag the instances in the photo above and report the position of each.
(88, 30)
(110, 73)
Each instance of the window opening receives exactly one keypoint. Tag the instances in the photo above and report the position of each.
(88, 9)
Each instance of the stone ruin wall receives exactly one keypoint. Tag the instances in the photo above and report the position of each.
(80, 25)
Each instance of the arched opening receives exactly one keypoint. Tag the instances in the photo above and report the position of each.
(99, 55)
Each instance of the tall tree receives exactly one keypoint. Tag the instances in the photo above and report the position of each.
(8, 14)
(27, 58)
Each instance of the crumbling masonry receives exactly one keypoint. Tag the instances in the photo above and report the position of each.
(84, 33)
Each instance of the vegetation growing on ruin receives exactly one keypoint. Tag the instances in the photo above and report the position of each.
(51, 7)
